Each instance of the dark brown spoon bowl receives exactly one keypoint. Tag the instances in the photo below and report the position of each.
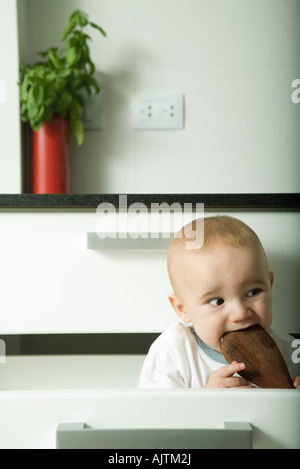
(264, 364)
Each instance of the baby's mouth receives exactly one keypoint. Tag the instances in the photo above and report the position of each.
(237, 330)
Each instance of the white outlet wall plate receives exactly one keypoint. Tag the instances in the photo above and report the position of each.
(157, 111)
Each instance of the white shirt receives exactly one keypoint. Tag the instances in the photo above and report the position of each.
(176, 359)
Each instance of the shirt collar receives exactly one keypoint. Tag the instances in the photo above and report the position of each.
(210, 352)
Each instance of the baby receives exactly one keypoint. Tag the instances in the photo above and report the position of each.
(225, 285)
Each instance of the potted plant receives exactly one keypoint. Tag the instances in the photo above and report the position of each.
(53, 94)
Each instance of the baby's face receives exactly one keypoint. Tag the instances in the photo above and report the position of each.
(226, 289)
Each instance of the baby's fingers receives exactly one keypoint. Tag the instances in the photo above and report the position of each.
(224, 377)
(297, 382)
(230, 381)
(229, 370)
(236, 382)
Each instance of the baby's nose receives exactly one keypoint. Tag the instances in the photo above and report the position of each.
(239, 312)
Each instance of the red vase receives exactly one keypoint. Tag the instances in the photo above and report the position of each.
(51, 157)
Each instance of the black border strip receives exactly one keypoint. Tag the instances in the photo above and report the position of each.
(78, 344)
(91, 201)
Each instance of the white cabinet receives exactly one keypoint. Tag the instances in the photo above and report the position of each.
(51, 283)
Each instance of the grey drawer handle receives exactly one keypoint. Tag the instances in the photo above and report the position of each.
(81, 436)
(125, 241)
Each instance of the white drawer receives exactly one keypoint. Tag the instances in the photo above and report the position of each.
(29, 419)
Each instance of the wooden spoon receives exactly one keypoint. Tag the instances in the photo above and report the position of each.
(265, 365)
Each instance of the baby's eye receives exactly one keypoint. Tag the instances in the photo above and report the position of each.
(254, 292)
(217, 302)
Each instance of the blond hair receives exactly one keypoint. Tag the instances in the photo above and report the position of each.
(221, 228)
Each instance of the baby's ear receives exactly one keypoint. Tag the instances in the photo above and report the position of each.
(179, 307)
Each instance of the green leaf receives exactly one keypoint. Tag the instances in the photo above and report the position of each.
(68, 29)
(38, 93)
(23, 89)
(86, 36)
(32, 104)
(54, 58)
(78, 130)
(85, 52)
(36, 127)
(76, 111)
(33, 114)
(82, 18)
(77, 18)
(96, 26)
(94, 84)
(45, 53)
(65, 73)
(63, 103)
(60, 82)
(92, 67)
(72, 57)
(76, 124)
(48, 114)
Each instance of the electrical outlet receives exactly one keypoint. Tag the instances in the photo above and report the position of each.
(146, 111)
(157, 112)
(169, 111)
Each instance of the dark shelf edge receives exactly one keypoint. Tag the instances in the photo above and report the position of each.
(78, 344)
(82, 344)
(273, 201)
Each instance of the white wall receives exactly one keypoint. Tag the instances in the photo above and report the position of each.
(10, 157)
(233, 60)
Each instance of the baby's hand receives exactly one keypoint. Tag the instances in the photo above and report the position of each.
(297, 382)
(223, 378)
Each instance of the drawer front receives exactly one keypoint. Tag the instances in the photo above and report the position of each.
(30, 419)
